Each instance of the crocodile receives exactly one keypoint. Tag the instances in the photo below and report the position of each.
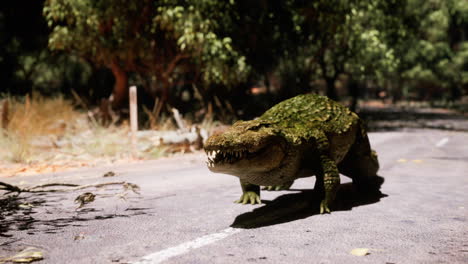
(302, 136)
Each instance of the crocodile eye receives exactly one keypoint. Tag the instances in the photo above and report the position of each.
(258, 126)
(254, 128)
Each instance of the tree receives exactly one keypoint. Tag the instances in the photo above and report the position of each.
(435, 53)
(348, 37)
(162, 40)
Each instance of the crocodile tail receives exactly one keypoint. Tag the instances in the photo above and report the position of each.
(363, 140)
(375, 159)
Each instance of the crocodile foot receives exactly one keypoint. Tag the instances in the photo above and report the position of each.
(324, 207)
(249, 197)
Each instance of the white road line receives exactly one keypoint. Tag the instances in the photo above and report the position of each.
(160, 256)
(442, 142)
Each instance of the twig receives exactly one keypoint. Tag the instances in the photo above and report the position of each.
(9, 187)
(53, 184)
(79, 100)
(99, 185)
(221, 108)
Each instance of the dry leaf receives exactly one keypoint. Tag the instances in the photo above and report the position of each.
(79, 236)
(132, 187)
(25, 206)
(28, 255)
(85, 198)
(109, 174)
(360, 252)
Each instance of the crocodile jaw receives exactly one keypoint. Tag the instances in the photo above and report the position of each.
(242, 162)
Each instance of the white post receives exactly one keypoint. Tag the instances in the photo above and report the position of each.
(133, 118)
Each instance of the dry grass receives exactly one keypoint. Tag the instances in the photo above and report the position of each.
(40, 116)
(31, 118)
(50, 130)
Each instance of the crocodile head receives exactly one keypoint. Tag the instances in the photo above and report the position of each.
(247, 148)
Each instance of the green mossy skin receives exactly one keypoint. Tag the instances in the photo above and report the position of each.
(299, 120)
(308, 116)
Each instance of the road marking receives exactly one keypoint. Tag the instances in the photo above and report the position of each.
(160, 256)
(442, 142)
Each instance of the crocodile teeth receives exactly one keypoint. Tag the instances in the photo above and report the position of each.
(228, 156)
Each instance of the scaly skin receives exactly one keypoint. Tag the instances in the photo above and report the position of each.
(302, 136)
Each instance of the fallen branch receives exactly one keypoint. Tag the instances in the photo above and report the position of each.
(11, 188)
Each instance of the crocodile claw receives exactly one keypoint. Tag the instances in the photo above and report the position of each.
(324, 207)
(249, 197)
(280, 187)
(273, 188)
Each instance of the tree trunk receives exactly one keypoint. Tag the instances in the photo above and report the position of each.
(120, 91)
(331, 90)
(455, 92)
(165, 91)
(163, 98)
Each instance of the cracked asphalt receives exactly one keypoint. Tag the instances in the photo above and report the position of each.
(186, 214)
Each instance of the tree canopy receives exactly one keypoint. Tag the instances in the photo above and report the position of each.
(165, 41)
(409, 48)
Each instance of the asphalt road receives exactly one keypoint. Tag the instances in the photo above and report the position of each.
(185, 214)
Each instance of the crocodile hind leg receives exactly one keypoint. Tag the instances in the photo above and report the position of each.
(361, 164)
(284, 186)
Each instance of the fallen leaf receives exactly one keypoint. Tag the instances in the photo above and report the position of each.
(25, 206)
(79, 236)
(123, 196)
(360, 252)
(85, 198)
(28, 255)
(402, 160)
(132, 187)
(109, 174)
(418, 161)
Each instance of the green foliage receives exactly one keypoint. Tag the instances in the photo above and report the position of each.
(410, 45)
(348, 37)
(433, 51)
(26, 65)
(166, 39)
(198, 27)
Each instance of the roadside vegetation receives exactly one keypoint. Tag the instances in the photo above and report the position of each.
(49, 134)
(66, 68)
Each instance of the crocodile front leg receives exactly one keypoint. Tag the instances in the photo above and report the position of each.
(250, 193)
(331, 181)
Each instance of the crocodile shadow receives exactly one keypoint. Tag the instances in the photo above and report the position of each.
(302, 204)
